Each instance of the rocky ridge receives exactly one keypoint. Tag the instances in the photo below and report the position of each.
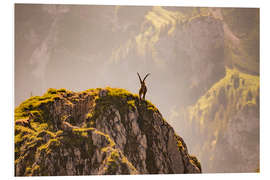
(97, 131)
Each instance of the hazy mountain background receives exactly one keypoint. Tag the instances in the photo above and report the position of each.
(204, 65)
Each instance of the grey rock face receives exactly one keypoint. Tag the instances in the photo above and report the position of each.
(122, 136)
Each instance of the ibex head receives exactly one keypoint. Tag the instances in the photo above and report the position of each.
(142, 81)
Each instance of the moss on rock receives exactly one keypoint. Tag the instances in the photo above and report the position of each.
(58, 136)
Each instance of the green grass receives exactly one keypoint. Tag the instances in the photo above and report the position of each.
(194, 160)
(120, 99)
(42, 140)
(115, 160)
(50, 146)
(37, 106)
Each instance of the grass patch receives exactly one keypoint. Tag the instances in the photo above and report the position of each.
(120, 99)
(41, 138)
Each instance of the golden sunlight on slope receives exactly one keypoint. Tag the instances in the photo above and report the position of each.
(241, 90)
(157, 21)
(228, 116)
(161, 17)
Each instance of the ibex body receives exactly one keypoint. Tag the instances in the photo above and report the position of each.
(143, 88)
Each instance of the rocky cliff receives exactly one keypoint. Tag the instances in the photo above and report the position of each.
(97, 131)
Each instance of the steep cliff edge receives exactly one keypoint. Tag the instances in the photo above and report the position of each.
(97, 131)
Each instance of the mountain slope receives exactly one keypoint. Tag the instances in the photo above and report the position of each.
(225, 124)
(184, 49)
(98, 131)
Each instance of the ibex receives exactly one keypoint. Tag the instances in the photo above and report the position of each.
(143, 88)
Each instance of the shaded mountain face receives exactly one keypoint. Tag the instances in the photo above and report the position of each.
(95, 132)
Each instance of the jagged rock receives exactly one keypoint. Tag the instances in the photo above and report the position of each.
(100, 131)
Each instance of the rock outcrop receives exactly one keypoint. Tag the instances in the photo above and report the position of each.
(98, 131)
